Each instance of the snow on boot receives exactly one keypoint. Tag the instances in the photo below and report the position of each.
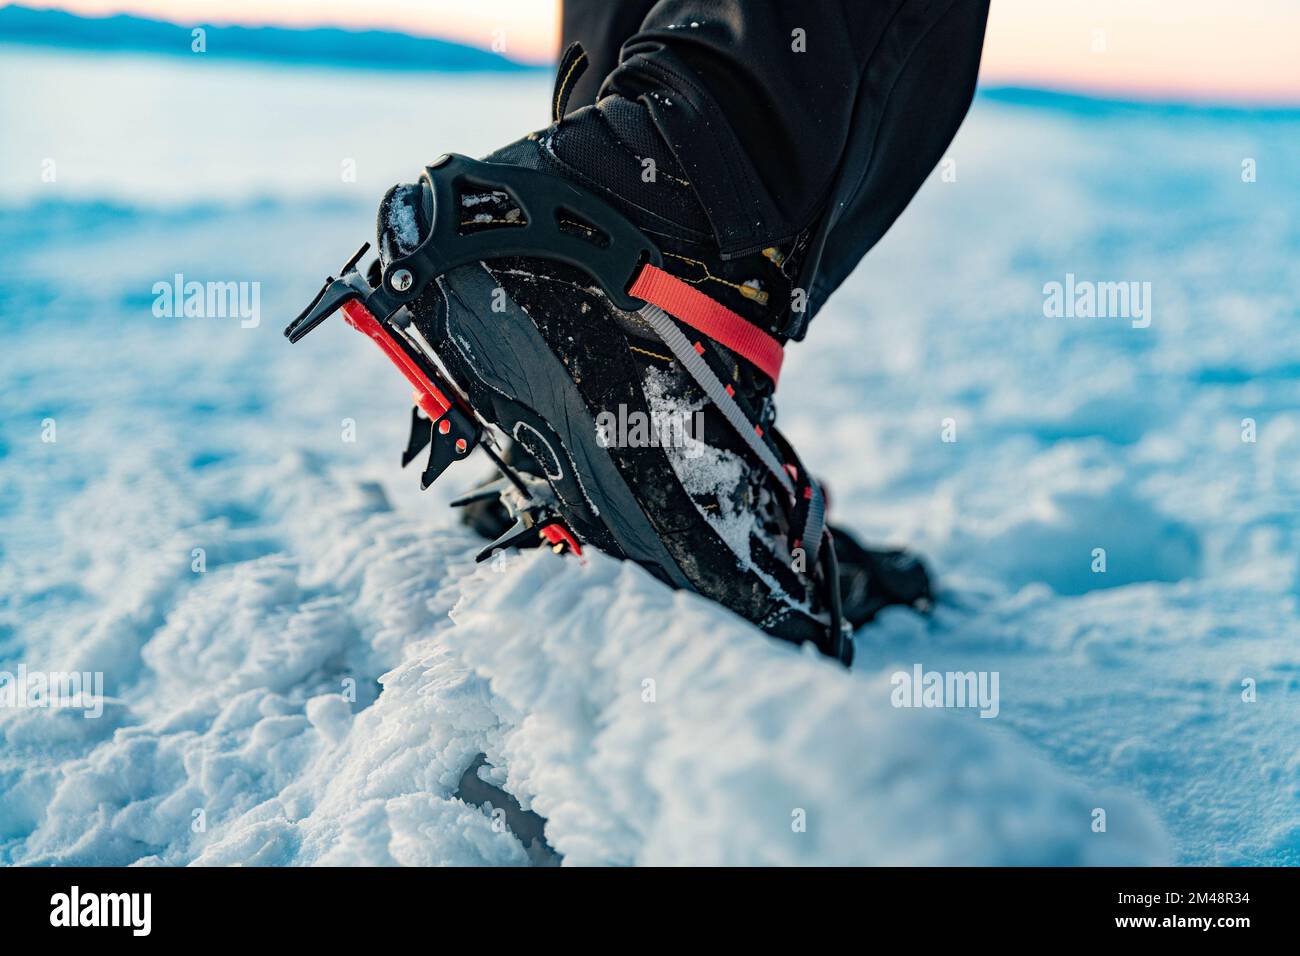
(871, 579)
(567, 294)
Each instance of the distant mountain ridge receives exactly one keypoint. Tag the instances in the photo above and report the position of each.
(1103, 105)
(375, 49)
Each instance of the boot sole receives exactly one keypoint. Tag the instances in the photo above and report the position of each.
(537, 402)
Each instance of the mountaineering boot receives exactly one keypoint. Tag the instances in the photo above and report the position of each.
(567, 295)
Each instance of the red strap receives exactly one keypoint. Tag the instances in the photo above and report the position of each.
(688, 304)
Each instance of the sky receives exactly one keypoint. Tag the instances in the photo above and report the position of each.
(1199, 50)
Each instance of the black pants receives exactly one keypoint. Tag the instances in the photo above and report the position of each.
(791, 115)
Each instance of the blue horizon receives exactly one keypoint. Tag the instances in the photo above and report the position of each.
(395, 51)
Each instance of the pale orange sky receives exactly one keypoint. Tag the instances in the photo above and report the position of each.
(1244, 50)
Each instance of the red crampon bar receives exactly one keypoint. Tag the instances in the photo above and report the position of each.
(428, 396)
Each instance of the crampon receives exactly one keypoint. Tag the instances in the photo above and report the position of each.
(482, 374)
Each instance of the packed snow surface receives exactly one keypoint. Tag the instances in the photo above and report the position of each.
(299, 657)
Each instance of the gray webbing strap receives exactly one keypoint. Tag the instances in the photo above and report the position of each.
(699, 370)
(816, 523)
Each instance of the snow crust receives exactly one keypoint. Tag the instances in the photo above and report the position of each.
(646, 726)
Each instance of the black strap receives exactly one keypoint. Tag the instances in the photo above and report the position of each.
(573, 64)
(839, 644)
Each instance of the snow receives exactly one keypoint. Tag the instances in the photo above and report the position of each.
(405, 229)
(704, 470)
(542, 665)
(313, 691)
